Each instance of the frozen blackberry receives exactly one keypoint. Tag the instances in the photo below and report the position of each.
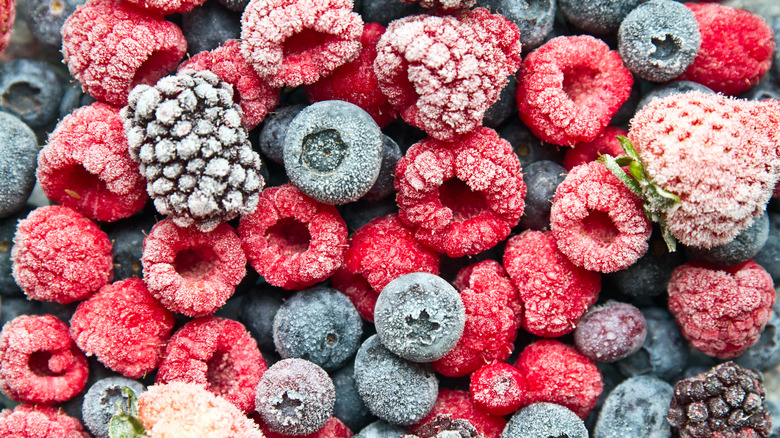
(275, 130)
(541, 178)
(664, 352)
(419, 316)
(105, 398)
(208, 26)
(648, 276)
(676, 87)
(743, 248)
(380, 429)
(333, 151)
(46, 17)
(394, 389)
(320, 325)
(30, 90)
(258, 308)
(769, 256)
(610, 332)
(349, 407)
(385, 11)
(534, 18)
(727, 400)
(383, 186)
(199, 165)
(597, 17)
(765, 354)
(18, 161)
(528, 147)
(545, 420)
(127, 237)
(636, 408)
(504, 106)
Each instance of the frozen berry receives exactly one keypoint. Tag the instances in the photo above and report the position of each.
(648, 276)
(504, 107)
(274, 131)
(105, 398)
(384, 185)
(765, 353)
(636, 408)
(46, 17)
(8, 286)
(7, 19)
(527, 146)
(127, 237)
(18, 160)
(534, 19)
(597, 17)
(744, 247)
(386, 11)
(349, 406)
(380, 429)
(664, 352)
(610, 332)
(545, 420)
(458, 405)
(36, 421)
(31, 90)
(257, 311)
(499, 389)
(541, 178)
(208, 26)
(604, 144)
(444, 425)
(674, 87)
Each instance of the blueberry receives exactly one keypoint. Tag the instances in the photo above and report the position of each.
(526, 146)
(380, 429)
(610, 332)
(46, 17)
(597, 17)
(628, 108)
(664, 353)
(419, 316)
(208, 26)
(764, 90)
(349, 407)
(30, 90)
(18, 161)
(73, 98)
(743, 248)
(769, 256)
(127, 237)
(11, 307)
(8, 286)
(544, 420)
(636, 408)
(104, 399)
(534, 18)
(385, 11)
(541, 178)
(765, 354)
(275, 129)
(504, 107)
(258, 308)
(404, 134)
(675, 87)
(383, 186)
(320, 325)
(356, 214)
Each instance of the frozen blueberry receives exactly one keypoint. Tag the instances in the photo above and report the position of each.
(18, 160)
(664, 353)
(385, 11)
(258, 308)
(610, 332)
(333, 151)
(105, 398)
(743, 248)
(46, 17)
(544, 420)
(380, 429)
(764, 90)
(675, 87)
(73, 98)
(11, 307)
(30, 90)
(208, 26)
(419, 316)
(275, 129)
(394, 389)
(404, 134)
(235, 5)
(534, 18)
(650, 275)
(349, 407)
(8, 287)
(127, 237)
(628, 108)
(527, 147)
(597, 17)
(356, 214)
(541, 178)
(320, 325)
(636, 408)
(765, 354)
(383, 186)
(769, 256)
(504, 107)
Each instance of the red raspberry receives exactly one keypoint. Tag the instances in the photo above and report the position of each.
(39, 421)
(39, 363)
(296, 42)
(7, 16)
(124, 327)
(255, 97)
(458, 405)
(493, 314)
(570, 87)
(59, 255)
(555, 293)
(356, 82)
(111, 47)
(379, 252)
(334, 428)
(558, 373)
(499, 388)
(604, 144)
(443, 72)
(443, 5)
(736, 49)
(721, 311)
(192, 272)
(293, 240)
(166, 7)
(218, 354)
(463, 197)
(597, 221)
(86, 166)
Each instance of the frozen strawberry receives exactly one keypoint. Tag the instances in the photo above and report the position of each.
(458, 405)
(499, 388)
(38, 421)
(7, 17)
(605, 144)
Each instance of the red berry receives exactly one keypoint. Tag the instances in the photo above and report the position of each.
(7, 17)
(499, 388)
(166, 7)
(458, 405)
(26, 421)
(605, 144)
(39, 363)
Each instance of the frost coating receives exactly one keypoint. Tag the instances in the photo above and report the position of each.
(103, 399)
(544, 420)
(636, 408)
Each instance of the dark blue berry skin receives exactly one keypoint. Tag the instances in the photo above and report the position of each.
(349, 407)
(380, 429)
(13, 307)
(627, 110)
(526, 146)
(127, 237)
(597, 17)
(356, 214)
(383, 186)
(650, 275)
(385, 11)
(764, 355)
(544, 420)
(235, 5)
(769, 256)
(534, 18)
(18, 160)
(636, 408)
(258, 308)
(8, 286)
(275, 129)
(30, 90)
(541, 178)
(776, 61)
(764, 90)
(404, 134)
(46, 17)
(664, 353)
(208, 26)
(73, 98)
(104, 399)
(672, 88)
(743, 248)
(504, 107)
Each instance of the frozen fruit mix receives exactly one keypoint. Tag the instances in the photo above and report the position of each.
(520, 346)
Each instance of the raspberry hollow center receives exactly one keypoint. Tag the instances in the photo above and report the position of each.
(581, 85)
(323, 151)
(289, 236)
(220, 373)
(195, 263)
(461, 200)
(78, 182)
(304, 44)
(39, 364)
(599, 227)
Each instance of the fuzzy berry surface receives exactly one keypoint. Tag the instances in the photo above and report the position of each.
(333, 428)
(458, 405)
(37, 421)
(499, 389)
(604, 144)
(7, 18)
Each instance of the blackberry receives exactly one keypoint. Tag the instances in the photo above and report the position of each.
(728, 400)
(105, 398)
(504, 107)
(46, 17)
(127, 238)
(444, 426)
(380, 429)
(30, 90)
(199, 165)
(743, 248)
(676, 87)
(208, 26)
(383, 186)
(541, 178)
(349, 407)
(18, 161)
(258, 309)
(769, 256)
(274, 131)
(664, 352)
(636, 408)
(597, 17)
(545, 420)
(764, 354)
(533, 18)
(528, 147)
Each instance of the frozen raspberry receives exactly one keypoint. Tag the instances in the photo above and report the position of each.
(604, 144)
(292, 240)
(168, 410)
(111, 47)
(255, 97)
(569, 89)
(218, 354)
(558, 373)
(555, 292)
(334, 428)
(166, 7)
(59, 255)
(39, 363)
(721, 311)
(86, 166)
(493, 314)
(736, 49)
(7, 16)
(499, 389)
(463, 197)
(192, 272)
(443, 72)
(458, 405)
(378, 253)
(27, 421)
(296, 42)
(124, 327)
(356, 83)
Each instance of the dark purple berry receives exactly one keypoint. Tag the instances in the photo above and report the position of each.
(610, 332)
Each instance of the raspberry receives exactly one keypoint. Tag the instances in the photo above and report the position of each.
(598, 223)
(604, 144)
(569, 89)
(558, 373)
(458, 405)
(192, 272)
(7, 18)
(39, 363)
(499, 389)
(166, 7)
(26, 421)
(555, 293)
(356, 83)
(292, 240)
(292, 43)
(59, 255)
(86, 166)
(255, 97)
(217, 354)
(110, 47)
(443, 72)
(493, 314)
(736, 49)
(462, 197)
(124, 327)
(721, 311)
